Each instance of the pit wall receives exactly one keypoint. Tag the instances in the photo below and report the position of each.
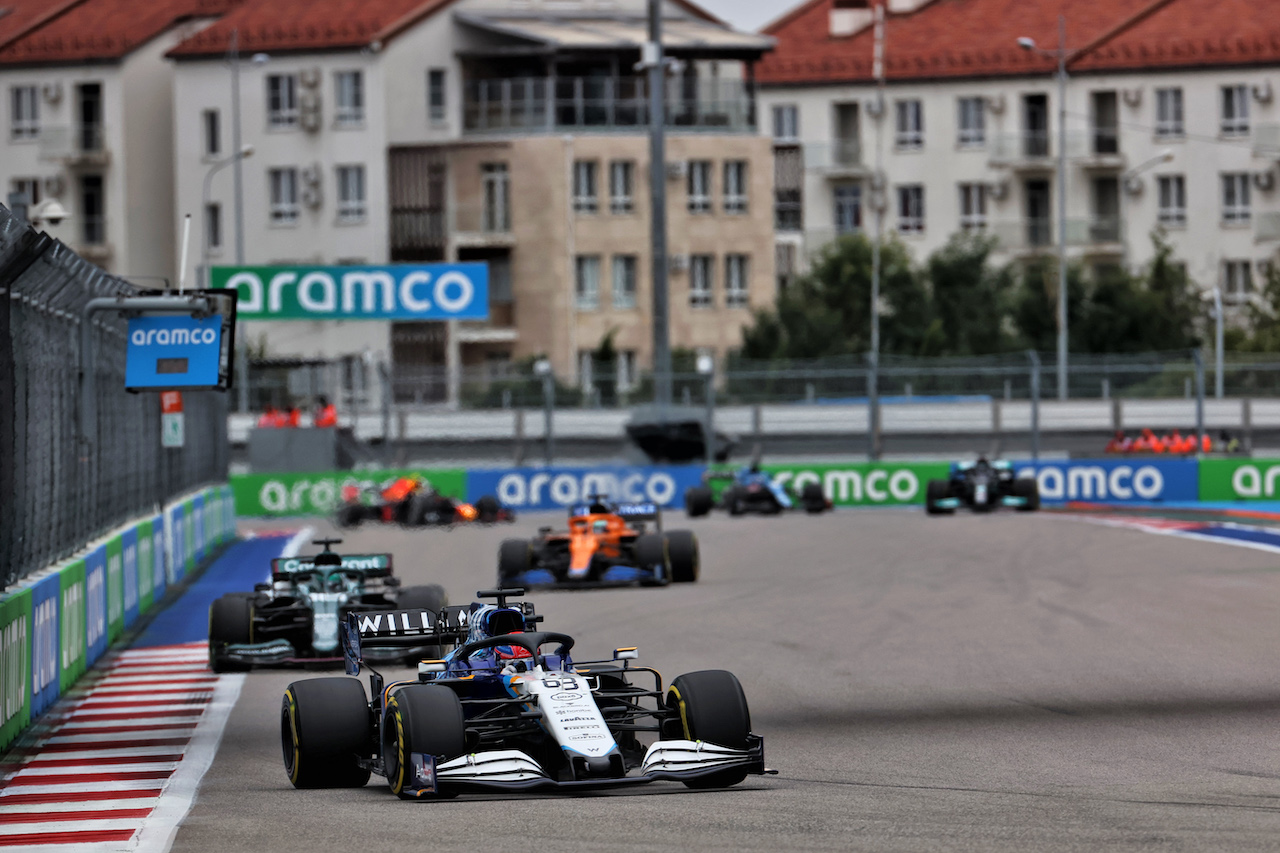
(55, 624)
(1133, 479)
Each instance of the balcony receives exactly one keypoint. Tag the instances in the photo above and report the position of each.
(1025, 151)
(1099, 235)
(417, 231)
(80, 145)
(1097, 149)
(483, 226)
(553, 105)
(499, 328)
(838, 159)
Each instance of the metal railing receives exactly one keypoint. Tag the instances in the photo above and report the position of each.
(54, 496)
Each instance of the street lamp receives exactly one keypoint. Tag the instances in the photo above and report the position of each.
(542, 367)
(50, 211)
(1061, 55)
(707, 368)
(243, 152)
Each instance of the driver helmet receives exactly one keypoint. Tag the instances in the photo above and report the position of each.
(493, 621)
(600, 525)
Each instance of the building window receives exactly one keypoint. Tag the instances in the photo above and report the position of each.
(284, 196)
(212, 133)
(436, 101)
(282, 101)
(1235, 198)
(1237, 280)
(911, 209)
(30, 187)
(93, 224)
(788, 181)
(973, 207)
(699, 185)
(973, 122)
(1235, 110)
(586, 287)
(624, 281)
(735, 281)
(585, 195)
(786, 123)
(348, 102)
(735, 186)
(621, 177)
(213, 226)
(847, 208)
(626, 369)
(1173, 200)
(700, 281)
(909, 128)
(1169, 113)
(351, 206)
(24, 113)
(784, 261)
(497, 197)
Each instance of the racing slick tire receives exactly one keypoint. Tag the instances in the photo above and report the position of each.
(325, 729)
(349, 515)
(710, 706)
(230, 621)
(514, 559)
(682, 556)
(1027, 487)
(937, 490)
(734, 501)
(651, 550)
(698, 501)
(428, 597)
(488, 510)
(425, 718)
(814, 501)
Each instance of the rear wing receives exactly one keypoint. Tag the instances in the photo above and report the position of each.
(410, 629)
(369, 565)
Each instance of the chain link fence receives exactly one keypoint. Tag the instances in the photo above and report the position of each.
(60, 490)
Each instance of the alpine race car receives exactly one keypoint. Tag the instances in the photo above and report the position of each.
(414, 502)
(981, 486)
(499, 713)
(294, 618)
(752, 490)
(606, 544)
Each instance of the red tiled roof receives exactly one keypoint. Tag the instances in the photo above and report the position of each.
(86, 30)
(978, 38)
(19, 16)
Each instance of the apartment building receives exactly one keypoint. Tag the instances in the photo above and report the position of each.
(508, 131)
(1171, 122)
(87, 113)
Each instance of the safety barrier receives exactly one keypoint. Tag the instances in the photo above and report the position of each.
(55, 624)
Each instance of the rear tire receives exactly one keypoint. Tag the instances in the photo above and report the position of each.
(733, 501)
(1027, 487)
(349, 515)
(937, 490)
(425, 718)
(514, 559)
(325, 728)
(683, 556)
(230, 621)
(488, 509)
(698, 501)
(430, 597)
(710, 706)
(812, 497)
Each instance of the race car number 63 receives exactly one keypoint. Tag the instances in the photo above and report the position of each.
(566, 684)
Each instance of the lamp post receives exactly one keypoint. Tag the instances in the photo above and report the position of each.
(542, 367)
(1061, 55)
(707, 367)
(241, 153)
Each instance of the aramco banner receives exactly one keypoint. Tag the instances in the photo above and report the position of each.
(394, 292)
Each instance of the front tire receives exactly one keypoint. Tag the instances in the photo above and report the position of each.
(651, 550)
(1027, 487)
(230, 622)
(937, 490)
(349, 515)
(682, 552)
(813, 499)
(515, 557)
(325, 729)
(422, 718)
(710, 706)
(698, 501)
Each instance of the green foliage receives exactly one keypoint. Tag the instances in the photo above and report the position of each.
(969, 299)
(1263, 316)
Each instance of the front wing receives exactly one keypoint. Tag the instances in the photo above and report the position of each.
(514, 770)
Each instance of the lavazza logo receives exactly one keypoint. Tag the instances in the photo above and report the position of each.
(516, 489)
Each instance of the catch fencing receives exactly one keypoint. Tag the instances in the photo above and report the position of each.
(59, 489)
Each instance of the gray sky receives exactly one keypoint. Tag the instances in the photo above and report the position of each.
(748, 15)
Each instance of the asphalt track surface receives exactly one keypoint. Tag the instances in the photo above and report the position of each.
(992, 683)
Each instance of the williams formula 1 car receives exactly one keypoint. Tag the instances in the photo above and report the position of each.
(606, 544)
(295, 617)
(981, 486)
(752, 490)
(414, 502)
(500, 713)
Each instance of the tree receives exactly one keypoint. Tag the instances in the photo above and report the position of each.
(1034, 304)
(1263, 319)
(969, 298)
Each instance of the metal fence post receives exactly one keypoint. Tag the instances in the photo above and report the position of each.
(1035, 403)
(384, 381)
(873, 406)
(1199, 362)
(709, 433)
(548, 404)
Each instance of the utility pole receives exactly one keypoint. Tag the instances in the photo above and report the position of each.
(878, 202)
(1062, 207)
(652, 60)
(237, 170)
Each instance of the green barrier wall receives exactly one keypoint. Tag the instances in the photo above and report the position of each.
(73, 651)
(319, 493)
(1239, 479)
(115, 588)
(858, 483)
(15, 664)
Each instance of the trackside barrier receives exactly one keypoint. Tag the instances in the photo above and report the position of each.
(55, 624)
(319, 493)
(1240, 479)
